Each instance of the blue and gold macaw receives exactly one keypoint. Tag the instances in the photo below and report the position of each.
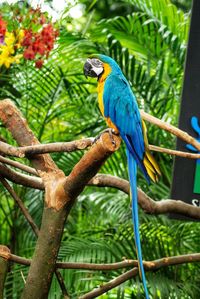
(119, 107)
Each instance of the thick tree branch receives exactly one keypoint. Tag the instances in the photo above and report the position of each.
(20, 131)
(41, 270)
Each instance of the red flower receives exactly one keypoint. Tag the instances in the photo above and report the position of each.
(2, 26)
(39, 63)
(29, 54)
(28, 36)
(39, 47)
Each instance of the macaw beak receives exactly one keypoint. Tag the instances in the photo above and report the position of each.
(88, 71)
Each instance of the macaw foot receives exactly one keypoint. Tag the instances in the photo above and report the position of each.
(111, 132)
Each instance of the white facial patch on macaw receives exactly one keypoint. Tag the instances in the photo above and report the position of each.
(97, 70)
(97, 65)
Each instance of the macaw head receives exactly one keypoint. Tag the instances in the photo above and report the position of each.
(97, 64)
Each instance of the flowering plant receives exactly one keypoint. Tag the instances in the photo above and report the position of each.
(28, 36)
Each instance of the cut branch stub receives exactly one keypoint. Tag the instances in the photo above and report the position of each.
(90, 163)
(4, 252)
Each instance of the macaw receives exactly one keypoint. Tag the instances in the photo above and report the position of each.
(119, 107)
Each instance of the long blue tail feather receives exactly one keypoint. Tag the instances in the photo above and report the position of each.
(132, 169)
(130, 147)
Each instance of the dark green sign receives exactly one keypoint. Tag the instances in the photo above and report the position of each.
(186, 176)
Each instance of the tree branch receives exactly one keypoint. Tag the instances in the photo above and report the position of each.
(21, 179)
(149, 266)
(57, 147)
(173, 130)
(10, 150)
(69, 147)
(111, 284)
(149, 205)
(127, 263)
(174, 152)
(18, 165)
(20, 205)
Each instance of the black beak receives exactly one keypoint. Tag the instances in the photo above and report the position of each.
(87, 69)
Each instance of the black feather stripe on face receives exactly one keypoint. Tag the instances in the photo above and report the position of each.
(93, 68)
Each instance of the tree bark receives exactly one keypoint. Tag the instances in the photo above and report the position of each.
(3, 268)
(43, 265)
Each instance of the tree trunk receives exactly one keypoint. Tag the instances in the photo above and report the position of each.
(41, 271)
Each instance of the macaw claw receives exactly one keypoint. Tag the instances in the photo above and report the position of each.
(111, 132)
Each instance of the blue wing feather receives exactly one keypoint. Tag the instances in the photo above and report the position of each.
(121, 106)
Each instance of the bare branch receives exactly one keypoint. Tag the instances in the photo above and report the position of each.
(149, 266)
(111, 284)
(174, 152)
(17, 125)
(149, 205)
(99, 267)
(21, 179)
(127, 263)
(10, 150)
(18, 165)
(62, 284)
(57, 147)
(173, 130)
(21, 206)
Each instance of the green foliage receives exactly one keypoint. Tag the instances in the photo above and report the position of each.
(149, 43)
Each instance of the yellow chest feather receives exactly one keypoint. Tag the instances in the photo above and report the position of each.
(101, 82)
